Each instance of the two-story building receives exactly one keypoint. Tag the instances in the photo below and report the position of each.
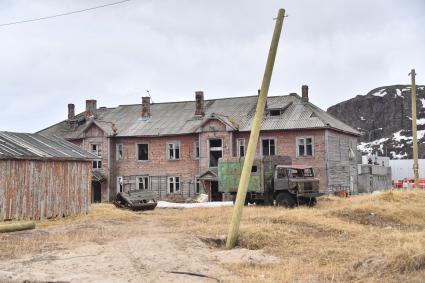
(173, 148)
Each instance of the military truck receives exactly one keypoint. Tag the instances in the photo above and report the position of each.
(273, 181)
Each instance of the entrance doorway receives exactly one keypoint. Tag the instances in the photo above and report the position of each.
(96, 192)
(215, 194)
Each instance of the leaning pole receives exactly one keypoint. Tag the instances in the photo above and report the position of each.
(253, 138)
(414, 131)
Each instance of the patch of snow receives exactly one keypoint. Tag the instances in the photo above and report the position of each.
(423, 102)
(380, 93)
(421, 87)
(420, 121)
(362, 118)
(398, 156)
(398, 92)
(367, 146)
(407, 88)
(420, 134)
(166, 204)
(398, 137)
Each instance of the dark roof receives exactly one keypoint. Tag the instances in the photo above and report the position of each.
(177, 118)
(36, 146)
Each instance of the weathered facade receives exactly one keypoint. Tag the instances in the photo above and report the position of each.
(173, 148)
(42, 177)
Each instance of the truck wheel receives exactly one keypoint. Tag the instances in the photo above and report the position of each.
(285, 199)
(312, 202)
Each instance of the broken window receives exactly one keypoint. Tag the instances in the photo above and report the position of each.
(241, 147)
(305, 146)
(143, 183)
(198, 186)
(96, 149)
(143, 151)
(216, 151)
(197, 150)
(120, 184)
(173, 185)
(119, 153)
(269, 147)
(173, 150)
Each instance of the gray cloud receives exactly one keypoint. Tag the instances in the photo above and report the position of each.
(339, 48)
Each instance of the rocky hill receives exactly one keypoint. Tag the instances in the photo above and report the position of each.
(384, 117)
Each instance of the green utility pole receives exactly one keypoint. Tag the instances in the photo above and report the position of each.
(414, 129)
(255, 132)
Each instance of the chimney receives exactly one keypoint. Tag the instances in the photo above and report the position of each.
(71, 111)
(91, 106)
(146, 107)
(199, 98)
(304, 91)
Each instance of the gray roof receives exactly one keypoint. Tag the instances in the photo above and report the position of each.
(176, 118)
(35, 146)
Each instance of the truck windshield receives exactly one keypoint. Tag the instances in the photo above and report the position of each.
(308, 172)
(300, 173)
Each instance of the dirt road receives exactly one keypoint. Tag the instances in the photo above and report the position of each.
(142, 249)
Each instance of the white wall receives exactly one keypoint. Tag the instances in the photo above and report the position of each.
(403, 168)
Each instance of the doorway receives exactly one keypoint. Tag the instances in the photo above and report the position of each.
(96, 192)
(216, 151)
(215, 194)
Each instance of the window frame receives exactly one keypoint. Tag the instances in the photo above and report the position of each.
(197, 151)
(137, 152)
(98, 151)
(209, 150)
(174, 143)
(98, 163)
(238, 147)
(120, 184)
(117, 149)
(174, 182)
(297, 144)
(275, 146)
(145, 178)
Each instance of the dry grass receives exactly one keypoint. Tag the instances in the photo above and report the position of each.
(370, 238)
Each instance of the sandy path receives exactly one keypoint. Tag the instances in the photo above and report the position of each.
(147, 251)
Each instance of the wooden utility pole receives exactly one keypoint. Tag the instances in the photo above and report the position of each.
(414, 129)
(255, 132)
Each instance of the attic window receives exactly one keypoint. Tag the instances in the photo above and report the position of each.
(275, 112)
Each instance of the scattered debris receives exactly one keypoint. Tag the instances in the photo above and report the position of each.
(136, 200)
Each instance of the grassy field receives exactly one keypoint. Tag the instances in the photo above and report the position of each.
(370, 238)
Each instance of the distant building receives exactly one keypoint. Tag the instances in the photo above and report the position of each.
(42, 177)
(403, 168)
(173, 148)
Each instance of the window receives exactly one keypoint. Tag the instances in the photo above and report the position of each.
(96, 149)
(254, 169)
(269, 147)
(143, 183)
(119, 153)
(143, 151)
(173, 149)
(97, 164)
(304, 147)
(173, 185)
(120, 184)
(275, 112)
(241, 147)
(197, 151)
(216, 151)
(281, 173)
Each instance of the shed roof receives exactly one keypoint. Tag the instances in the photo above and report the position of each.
(37, 146)
(176, 118)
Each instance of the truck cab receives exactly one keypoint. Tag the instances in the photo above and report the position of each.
(294, 185)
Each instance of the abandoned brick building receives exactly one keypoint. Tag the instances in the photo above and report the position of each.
(173, 148)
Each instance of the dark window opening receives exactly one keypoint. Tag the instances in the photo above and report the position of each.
(269, 147)
(275, 112)
(216, 151)
(254, 169)
(281, 173)
(143, 151)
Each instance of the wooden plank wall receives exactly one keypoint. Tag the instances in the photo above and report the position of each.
(31, 189)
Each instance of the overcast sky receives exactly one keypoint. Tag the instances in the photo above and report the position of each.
(173, 48)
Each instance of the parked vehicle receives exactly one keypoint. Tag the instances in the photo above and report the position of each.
(273, 181)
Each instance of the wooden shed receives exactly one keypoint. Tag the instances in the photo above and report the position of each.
(42, 177)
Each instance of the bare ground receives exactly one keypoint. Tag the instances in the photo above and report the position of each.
(372, 238)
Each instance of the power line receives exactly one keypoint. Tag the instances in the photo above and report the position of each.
(63, 14)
